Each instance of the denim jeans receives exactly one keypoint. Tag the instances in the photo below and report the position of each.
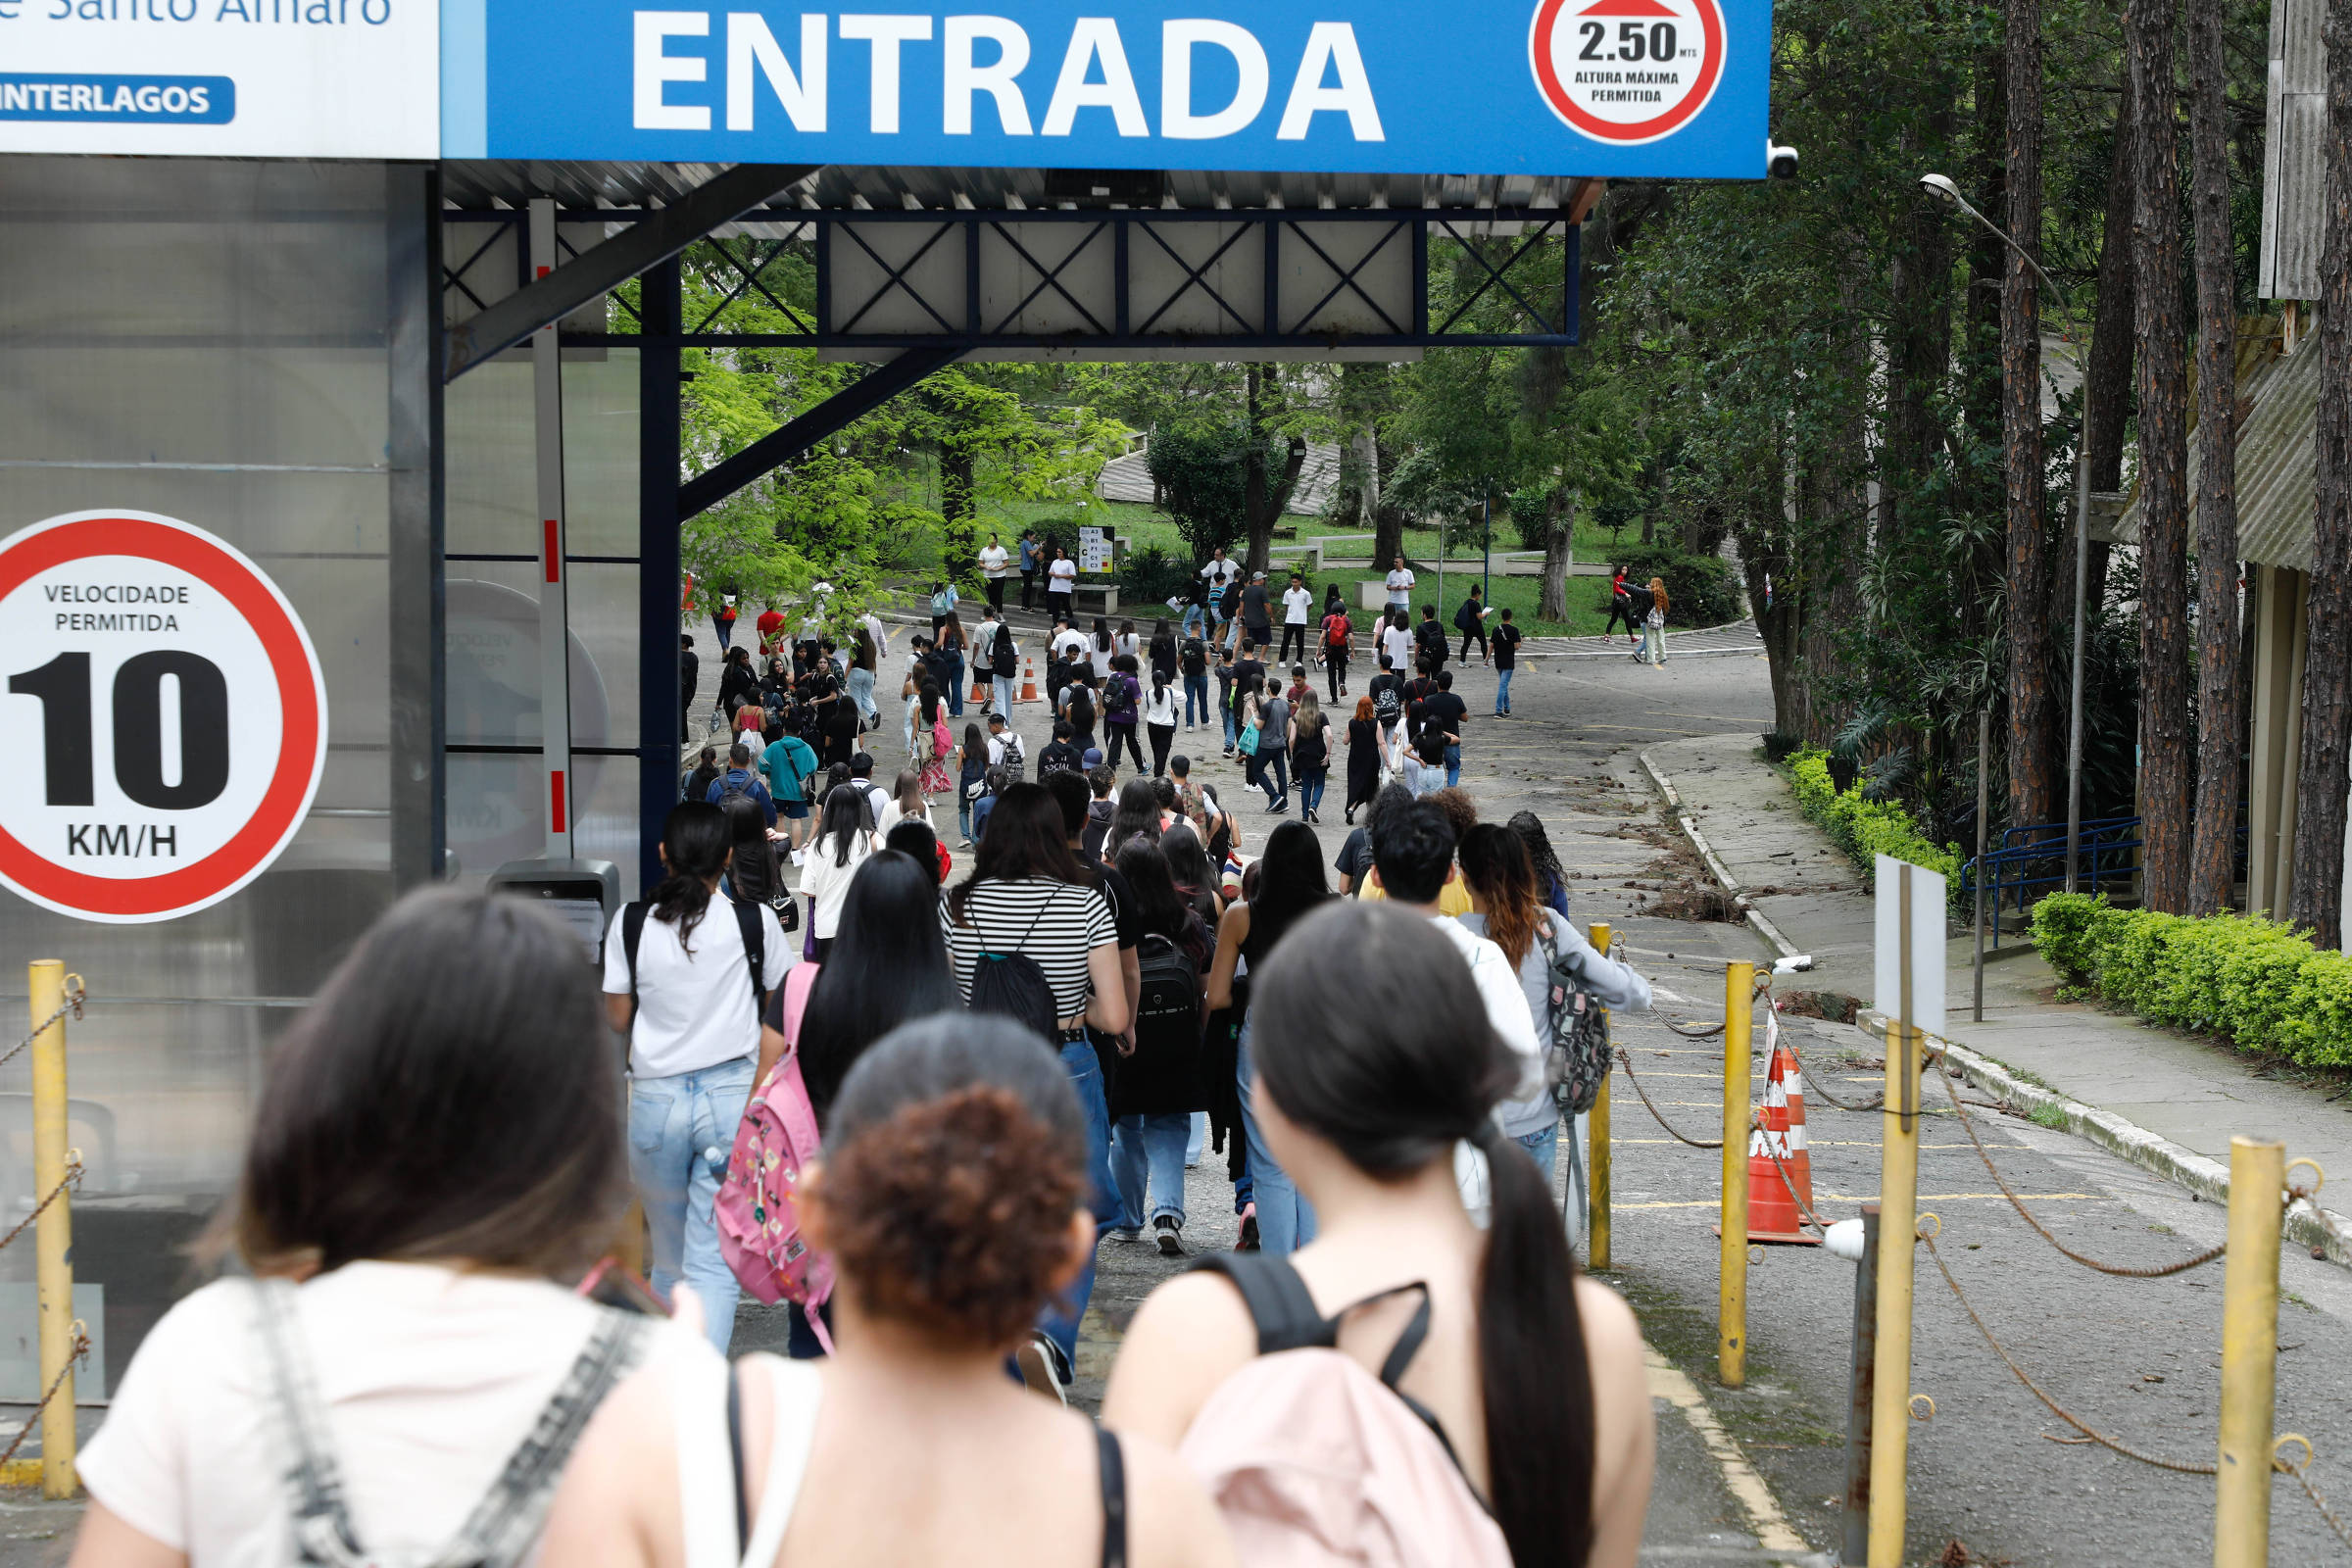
(1286, 1221)
(1278, 763)
(1062, 1317)
(1453, 765)
(1198, 1139)
(1194, 617)
(1150, 1149)
(1004, 685)
(1229, 732)
(861, 692)
(1196, 698)
(1543, 1149)
(1312, 779)
(955, 692)
(964, 814)
(1502, 690)
(681, 1130)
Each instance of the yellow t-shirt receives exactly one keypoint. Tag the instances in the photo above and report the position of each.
(1452, 899)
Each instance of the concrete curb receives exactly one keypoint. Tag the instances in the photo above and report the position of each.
(2206, 1178)
(1715, 866)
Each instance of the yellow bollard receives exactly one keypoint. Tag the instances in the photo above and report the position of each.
(1899, 1230)
(1730, 1289)
(1596, 1162)
(2241, 1489)
(53, 1233)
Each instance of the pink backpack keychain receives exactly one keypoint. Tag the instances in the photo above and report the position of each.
(758, 1224)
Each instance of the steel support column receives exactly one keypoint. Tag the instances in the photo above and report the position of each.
(418, 792)
(660, 714)
(559, 798)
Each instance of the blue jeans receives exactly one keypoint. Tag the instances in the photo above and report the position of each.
(1277, 764)
(1196, 698)
(681, 1130)
(963, 812)
(1004, 685)
(861, 692)
(1062, 1317)
(1453, 765)
(1198, 1139)
(1286, 1221)
(1150, 1149)
(1543, 1149)
(1312, 779)
(1194, 617)
(1502, 690)
(1229, 733)
(955, 692)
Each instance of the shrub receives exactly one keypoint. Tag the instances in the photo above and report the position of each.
(1778, 747)
(1700, 590)
(1866, 829)
(2256, 982)
(1150, 576)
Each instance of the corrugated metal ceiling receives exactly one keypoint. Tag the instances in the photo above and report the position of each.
(2275, 462)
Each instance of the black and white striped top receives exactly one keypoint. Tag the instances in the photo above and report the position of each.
(1056, 923)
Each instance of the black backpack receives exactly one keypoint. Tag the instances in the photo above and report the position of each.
(1013, 985)
(1196, 657)
(1430, 637)
(730, 789)
(1167, 1008)
(1001, 652)
(1118, 697)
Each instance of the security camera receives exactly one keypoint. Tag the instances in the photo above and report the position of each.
(1780, 162)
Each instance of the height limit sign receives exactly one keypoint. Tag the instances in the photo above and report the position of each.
(167, 715)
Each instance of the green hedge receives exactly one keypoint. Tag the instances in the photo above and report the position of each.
(1866, 829)
(2258, 983)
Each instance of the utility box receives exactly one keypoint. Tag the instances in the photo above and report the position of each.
(582, 894)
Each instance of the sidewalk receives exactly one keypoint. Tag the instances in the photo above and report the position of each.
(2186, 1092)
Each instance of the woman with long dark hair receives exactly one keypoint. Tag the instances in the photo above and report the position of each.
(1290, 887)
(753, 875)
(890, 922)
(1310, 752)
(1102, 648)
(1162, 650)
(1160, 1085)
(971, 759)
(1134, 815)
(953, 646)
(1532, 1375)
(1159, 718)
(1363, 758)
(1189, 869)
(844, 837)
(1123, 711)
(686, 993)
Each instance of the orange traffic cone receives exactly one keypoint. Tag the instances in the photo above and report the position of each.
(1772, 1213)
(979, 686)
(1028, 681)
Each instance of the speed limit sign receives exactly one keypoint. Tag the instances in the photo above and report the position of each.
(168, 713)
(1627, 72)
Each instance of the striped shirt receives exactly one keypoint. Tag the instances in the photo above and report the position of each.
(1056, 923)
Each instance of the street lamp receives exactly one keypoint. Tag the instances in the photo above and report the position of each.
(1943, 190)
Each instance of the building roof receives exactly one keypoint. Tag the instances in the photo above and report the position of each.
(2279, 406)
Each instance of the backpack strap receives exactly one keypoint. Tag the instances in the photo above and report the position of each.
(1279, 1305)
(1113, 1464)
(632, 932)
(754, 948)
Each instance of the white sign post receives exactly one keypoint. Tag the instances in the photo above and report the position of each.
(168, 713)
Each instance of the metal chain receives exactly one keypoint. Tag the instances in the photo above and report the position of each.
(1781, 1166)
(1880, 1103)
(2181, 1466)
(2302, 1475)
(81, 1349)
(76, 995)
(72, 1178)
(1626, 1061)
(2155, 1271)
(1707, 1031)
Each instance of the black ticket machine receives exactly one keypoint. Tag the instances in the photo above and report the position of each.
(582, 894)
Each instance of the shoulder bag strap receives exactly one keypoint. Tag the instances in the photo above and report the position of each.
(1115, 1498)
(322, 1518)
(795, 1392)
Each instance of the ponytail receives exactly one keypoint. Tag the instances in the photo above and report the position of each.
(1534, 1380)
(695, 842)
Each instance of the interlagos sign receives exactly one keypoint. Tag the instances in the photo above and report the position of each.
(1623, 87)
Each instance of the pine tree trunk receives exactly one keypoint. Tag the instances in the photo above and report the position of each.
(2219, 715)
(2167, 779)
(2317, 900)
(2111, 348)
(1388, 520)
(1264, 492)
(1551, 602)
(2033, 714)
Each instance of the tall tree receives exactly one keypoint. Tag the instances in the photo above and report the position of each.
(2317, 900)
(2108, 383)
(1266, 486)
(2220, 715)
(2032, 701)
(2166, 779)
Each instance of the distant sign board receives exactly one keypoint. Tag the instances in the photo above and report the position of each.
(1605, 87)
(221, 78)
(1094, 550)
(1913, 890)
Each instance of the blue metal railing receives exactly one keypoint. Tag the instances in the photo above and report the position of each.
(2034, 856)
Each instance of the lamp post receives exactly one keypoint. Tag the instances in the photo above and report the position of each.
(1942, 188)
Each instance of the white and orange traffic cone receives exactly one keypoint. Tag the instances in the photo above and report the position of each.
(1028, 681)
(1772, 1215)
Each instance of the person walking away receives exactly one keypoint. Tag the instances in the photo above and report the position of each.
(934, 746)
(1258, 623)
(1363, 758)
(1225, 697)
(1027, 895)
(1128, 643)
(1400, 580)
(771, 624)
(690, 676)
(1101, 647)
(944, 600)
(1229, 607)
(844, 837)
(1445, 713)
(740, 780)
(696, 785)
(1159, 1087)
(1505, 909)
(1387, 696)
(971, 774)
(1061, 580)
(1654, 626)
(1310, 753)
(1397, 641)
(1429, 640)
(949, 657)
(1003, 664)
(1123, 711)
(1004, 749)
(1160, 720)
(1621, 608)
(937, 1283)
(1159, 655)
(722, 620)
(1095, 826)
(996, 564)
(752, 875)
(738, 684)
(1533, 1375)
(865, 652)
(1506, 663)
(1297, 612)
(905, 804)
(1290, 887)
(1421, 766)
(1193, 663)
(1470, 619)
(788, 765)
(453, 1059)
(1339, 641)
(1031, 558)
(1196, 607)
(686, 975)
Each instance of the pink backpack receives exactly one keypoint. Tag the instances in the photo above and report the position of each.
(759, 1226)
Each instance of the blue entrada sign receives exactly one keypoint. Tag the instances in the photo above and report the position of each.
(1605, 87)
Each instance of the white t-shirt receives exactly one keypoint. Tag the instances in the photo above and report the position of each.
(1065, 575)
(1221, 572)
(692, 1011)
(829, 884)
(992, 559)
(1399, 643)
(1297, 604)
(1071, 645)
(1507, 1012)
(430, 1378)
(1400, 586)
(894, 814)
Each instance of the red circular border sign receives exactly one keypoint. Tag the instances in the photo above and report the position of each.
(1556, 93)
(302, 744)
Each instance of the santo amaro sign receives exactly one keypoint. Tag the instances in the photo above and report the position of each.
(1605, 87)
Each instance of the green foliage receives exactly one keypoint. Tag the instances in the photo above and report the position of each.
(1777, 747)
(1864, 828)
(1200, 467)
(2256, 982)
(1152, 576)
(1700, 590)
